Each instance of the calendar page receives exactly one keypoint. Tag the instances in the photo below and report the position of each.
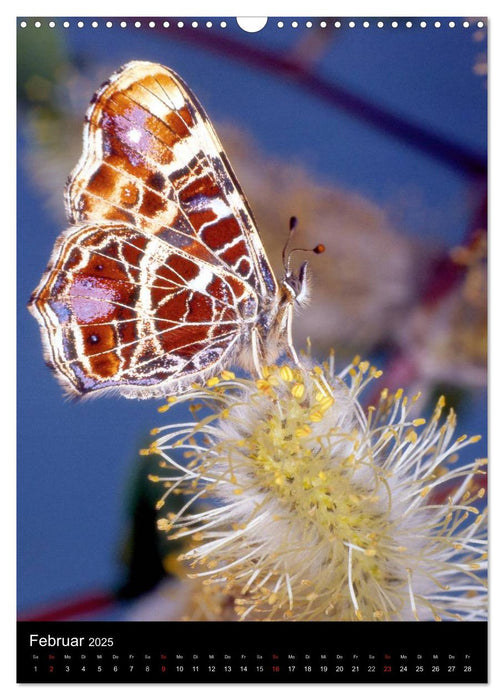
(252, 350)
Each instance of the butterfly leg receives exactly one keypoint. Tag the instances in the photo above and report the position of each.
(290, 345)
(319, 378)
(256, 352)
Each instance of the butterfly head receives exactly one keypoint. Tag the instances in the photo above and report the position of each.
(296, 287)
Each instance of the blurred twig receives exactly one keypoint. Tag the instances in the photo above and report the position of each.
(439, 147)
(80, 607)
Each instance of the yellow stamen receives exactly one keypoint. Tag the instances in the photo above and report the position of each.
(326, 403)
(411, 436)
(263, 385)
(286, 373)
(298, 391)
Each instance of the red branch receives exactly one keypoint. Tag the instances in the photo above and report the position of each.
(83, 606)
(439, 147)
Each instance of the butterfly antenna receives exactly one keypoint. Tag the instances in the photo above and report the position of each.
(285, 257)
(320, 248)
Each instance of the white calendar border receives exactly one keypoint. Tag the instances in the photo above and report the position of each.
(313, 8)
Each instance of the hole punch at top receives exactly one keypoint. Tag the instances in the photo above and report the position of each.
(252, 24)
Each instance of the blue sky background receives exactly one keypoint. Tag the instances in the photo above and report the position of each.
(75, 460)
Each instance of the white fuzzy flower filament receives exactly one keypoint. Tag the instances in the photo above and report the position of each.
(311, 508)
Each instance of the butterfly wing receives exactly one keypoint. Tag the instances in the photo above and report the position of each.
(163, 275)
(152, 159)
(122, 310)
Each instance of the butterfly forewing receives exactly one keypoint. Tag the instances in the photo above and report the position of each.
(163, 276)
(153, 160)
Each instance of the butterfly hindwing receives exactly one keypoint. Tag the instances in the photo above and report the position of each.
(122, 310)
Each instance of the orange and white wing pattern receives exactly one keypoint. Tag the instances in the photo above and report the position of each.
(153, 160)
(162, 276)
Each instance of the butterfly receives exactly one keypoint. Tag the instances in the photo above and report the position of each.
(161, 280)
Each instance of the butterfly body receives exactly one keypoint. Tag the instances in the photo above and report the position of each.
(162, 279)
